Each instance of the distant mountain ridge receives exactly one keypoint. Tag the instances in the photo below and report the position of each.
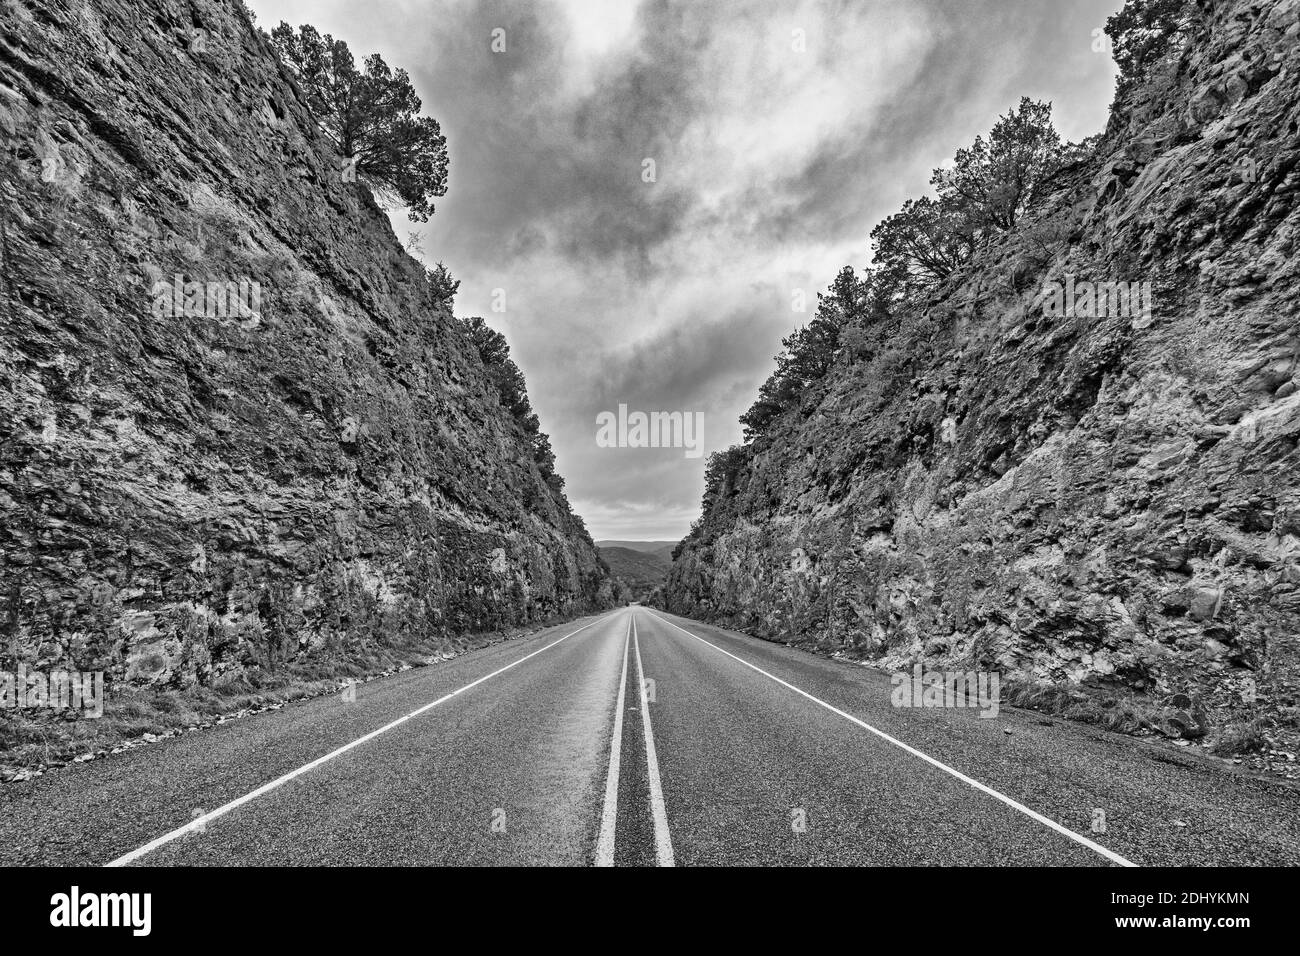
(640, 566)
(647, 546)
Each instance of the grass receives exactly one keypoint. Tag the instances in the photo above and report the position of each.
(1140, 716)
(1241, 737)
(1121, 715)
(34, 738)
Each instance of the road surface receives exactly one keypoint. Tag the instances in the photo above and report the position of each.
(640, 738)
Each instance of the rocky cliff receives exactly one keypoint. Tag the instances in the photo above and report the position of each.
(1105, 503)
(239, 428)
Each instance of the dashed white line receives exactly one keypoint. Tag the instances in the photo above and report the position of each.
(1015, 805)
(199, 822)
(663, 838)
(609, 815)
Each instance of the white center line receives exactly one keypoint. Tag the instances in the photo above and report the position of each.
(609, 816)
(1034, 815)
(663, 839)
(199, 822)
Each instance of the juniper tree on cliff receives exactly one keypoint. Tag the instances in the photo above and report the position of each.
(372, 114)
(984, 192)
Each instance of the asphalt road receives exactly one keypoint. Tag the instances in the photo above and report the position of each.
(640, 738)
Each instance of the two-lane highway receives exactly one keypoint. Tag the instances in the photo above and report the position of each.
(640, 738)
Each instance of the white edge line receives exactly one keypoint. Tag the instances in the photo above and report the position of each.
(1015, 805)
(609, 815)
(199, 822)
(663, 838)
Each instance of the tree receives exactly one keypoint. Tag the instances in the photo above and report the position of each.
(720, 473)
(808, 352)
(442, 283)
(494, 351)
(372, 116)
(992, 183)
(1145, 32)
(986, 192)
(924, 242)
(504, 374)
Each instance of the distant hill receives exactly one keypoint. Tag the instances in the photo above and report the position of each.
(638, 545)
(664, 548)
(640, 569)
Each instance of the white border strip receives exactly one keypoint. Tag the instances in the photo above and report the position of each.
(663, 838)
(609, 815)
(199, 822)
(1052, 824)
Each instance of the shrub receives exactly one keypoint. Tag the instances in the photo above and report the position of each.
(443, 285)
(512, 391)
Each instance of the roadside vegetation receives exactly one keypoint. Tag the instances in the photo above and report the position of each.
(33, 740)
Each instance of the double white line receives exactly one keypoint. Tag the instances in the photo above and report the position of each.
(609, 815)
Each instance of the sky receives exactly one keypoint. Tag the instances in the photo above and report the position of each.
(780, 134)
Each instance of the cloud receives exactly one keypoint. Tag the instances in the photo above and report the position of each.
(781, 133)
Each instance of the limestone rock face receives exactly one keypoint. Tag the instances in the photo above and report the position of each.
(1107, 500)
(307, 455)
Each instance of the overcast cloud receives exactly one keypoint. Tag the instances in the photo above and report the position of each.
(772, 166)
